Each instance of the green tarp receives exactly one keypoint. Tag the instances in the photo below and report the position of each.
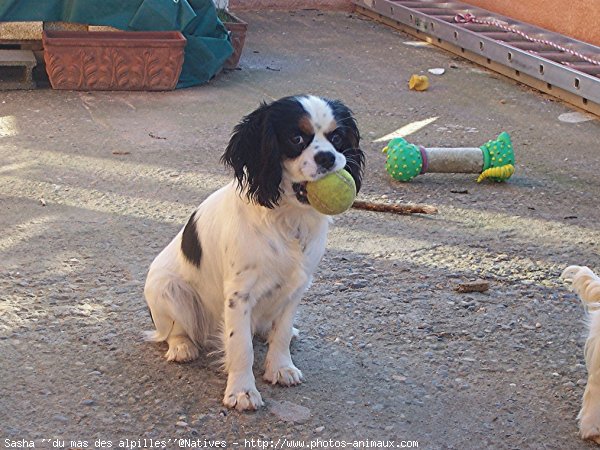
(207, 45)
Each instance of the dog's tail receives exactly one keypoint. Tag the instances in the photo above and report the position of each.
(173, 302)
(586, 284)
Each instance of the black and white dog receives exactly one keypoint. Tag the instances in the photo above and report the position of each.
(242, 262)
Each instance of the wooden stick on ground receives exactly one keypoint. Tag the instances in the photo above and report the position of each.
(394, 208)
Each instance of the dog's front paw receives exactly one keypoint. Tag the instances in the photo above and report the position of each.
(287, 375)
(243, 399)
(589, 426)
(589, 416)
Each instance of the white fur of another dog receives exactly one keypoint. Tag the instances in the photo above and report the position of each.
(587, 285)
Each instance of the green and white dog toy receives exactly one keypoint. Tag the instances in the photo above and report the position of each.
(494, 160)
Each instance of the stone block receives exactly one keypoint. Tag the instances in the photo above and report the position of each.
(16, 69)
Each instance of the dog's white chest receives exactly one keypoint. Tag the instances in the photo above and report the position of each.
(286, 268)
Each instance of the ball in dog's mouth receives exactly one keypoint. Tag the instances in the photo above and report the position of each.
(300, 191)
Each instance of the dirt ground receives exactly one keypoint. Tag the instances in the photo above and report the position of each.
(389, 349)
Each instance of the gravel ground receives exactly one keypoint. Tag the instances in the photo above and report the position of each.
(389, 349)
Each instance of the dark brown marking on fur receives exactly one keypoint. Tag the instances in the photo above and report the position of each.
(269, 292)
(242, 297)
(246, 268)
(273, 247)
(150, 312)
(306, 126)
(245, 297)
(231, 303)
(231, 334)
(190, 243)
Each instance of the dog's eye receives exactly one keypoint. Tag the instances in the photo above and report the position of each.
(336, 139)
(297, 140)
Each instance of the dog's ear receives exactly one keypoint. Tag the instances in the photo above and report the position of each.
(253, 153)
(355, 158)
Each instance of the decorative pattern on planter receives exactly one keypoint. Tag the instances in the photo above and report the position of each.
(237, 32)
(120, 60)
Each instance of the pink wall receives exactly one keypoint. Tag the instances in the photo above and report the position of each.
(576, 18)
(336, 5)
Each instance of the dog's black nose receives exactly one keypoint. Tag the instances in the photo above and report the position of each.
(325, 159)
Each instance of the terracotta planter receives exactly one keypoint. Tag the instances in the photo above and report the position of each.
(113, 60)
(237, 30)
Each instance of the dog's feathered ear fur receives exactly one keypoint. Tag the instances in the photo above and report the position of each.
(355, 158)
(254, 155)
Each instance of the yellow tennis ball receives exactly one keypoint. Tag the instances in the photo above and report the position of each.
(332, 194)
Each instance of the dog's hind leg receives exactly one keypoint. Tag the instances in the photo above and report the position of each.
(181, 347)
(178, 317)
